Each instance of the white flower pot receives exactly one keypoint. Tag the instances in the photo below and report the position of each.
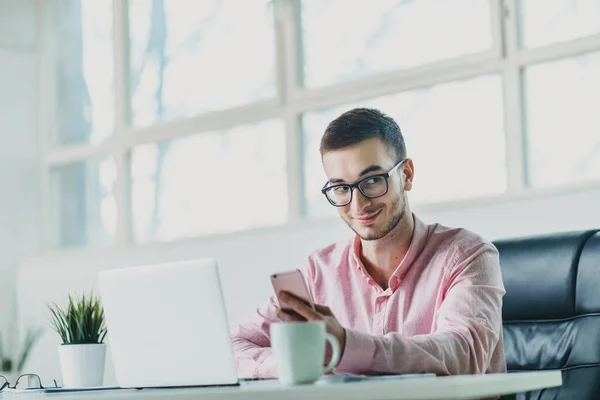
(82, 365)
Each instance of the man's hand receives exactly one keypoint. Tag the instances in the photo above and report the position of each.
(303, 312)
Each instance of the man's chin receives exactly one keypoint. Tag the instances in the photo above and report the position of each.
(368, 233)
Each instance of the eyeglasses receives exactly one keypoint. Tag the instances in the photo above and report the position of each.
(25, 381)
(371, 187)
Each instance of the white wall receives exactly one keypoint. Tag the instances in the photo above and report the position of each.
(246, 259)
(19, 165)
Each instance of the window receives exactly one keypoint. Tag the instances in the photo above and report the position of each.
(83, 75)
(550, 21)
(563, 122)
(187, 57)
(345, 40)
(84, 205)
(443, 136)
(212, 182)
(169, 119)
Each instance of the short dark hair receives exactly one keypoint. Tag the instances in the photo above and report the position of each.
(360, 124)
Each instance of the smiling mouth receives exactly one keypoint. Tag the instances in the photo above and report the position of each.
(368, 219)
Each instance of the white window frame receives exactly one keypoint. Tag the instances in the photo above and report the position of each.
(505, 58)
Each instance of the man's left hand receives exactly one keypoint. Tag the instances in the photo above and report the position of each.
(304, 312)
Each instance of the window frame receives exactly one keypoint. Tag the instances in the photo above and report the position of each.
(506, 58)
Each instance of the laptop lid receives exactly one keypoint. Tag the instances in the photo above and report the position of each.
(167, 325)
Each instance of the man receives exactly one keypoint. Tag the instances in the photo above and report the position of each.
(401, 296)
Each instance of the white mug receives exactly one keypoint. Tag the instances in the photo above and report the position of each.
(299, 349)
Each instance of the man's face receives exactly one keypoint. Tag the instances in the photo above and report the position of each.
(370, 219)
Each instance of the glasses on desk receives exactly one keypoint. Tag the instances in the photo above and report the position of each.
(25, 381)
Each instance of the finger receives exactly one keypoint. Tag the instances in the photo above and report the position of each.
(291, 295)
(299, 306)
(289, 316)
(323, 309)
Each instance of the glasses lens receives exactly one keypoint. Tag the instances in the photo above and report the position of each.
(28, 381)
(339, 195)
(374, 186)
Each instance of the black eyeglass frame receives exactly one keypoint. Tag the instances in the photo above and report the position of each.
(6, 383)
(385, 175)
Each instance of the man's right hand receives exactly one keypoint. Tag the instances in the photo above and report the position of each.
(303, 312)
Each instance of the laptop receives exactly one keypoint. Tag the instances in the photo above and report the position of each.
(167, 325)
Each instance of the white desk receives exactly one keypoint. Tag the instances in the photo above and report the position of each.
(435, 388)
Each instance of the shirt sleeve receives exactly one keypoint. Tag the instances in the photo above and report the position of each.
(468, 329)
(251, 339)
(252, 345)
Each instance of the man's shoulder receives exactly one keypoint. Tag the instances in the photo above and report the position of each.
(332, 254)
(459, 239)
(327, 260)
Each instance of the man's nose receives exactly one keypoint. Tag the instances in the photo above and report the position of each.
(359, 201)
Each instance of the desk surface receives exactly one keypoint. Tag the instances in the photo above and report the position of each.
(432, 388)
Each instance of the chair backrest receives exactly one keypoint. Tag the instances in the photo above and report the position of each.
(551, 310)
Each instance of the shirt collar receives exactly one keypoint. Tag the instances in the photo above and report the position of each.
(417, 243)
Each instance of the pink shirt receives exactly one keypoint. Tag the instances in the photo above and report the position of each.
(441, 312)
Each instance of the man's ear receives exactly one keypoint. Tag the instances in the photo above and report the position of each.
(408, 169)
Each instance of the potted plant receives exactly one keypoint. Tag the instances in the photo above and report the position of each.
(81, 326)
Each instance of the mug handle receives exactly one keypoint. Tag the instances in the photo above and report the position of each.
(335, 352)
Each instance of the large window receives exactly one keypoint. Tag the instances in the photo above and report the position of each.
(168, 119)
(345, 39)
(210, 182)
(83, 72)
(549, 21)
(563, 120)
(187, 57)
(83, 202)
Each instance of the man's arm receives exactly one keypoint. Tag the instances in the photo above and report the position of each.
(469, 325)
(252, 344)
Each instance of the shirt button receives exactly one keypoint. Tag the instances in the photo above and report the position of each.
(370, 281)
(380, 300)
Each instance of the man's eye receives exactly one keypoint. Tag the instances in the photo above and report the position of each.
(374, 180)
(340, 189)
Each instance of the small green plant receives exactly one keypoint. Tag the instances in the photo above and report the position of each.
(82, 321)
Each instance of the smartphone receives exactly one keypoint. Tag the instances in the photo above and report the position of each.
(293, 283)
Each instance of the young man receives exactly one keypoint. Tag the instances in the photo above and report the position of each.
(402, 296)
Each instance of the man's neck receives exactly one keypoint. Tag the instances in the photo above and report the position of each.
(382, 257)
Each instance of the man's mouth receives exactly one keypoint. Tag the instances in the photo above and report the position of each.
(366, 219)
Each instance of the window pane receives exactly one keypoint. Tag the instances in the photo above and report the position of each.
(548, 21)
(84, 100)
(84, 204)
(448, 129)
(210, 183)
(190, 57)
(563, 122)
(345, 40)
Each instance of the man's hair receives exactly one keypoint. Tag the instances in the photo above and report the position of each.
(360, 124)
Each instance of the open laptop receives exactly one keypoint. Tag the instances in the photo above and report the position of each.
(167, 325)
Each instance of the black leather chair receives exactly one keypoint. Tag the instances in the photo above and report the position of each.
(551, 310)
